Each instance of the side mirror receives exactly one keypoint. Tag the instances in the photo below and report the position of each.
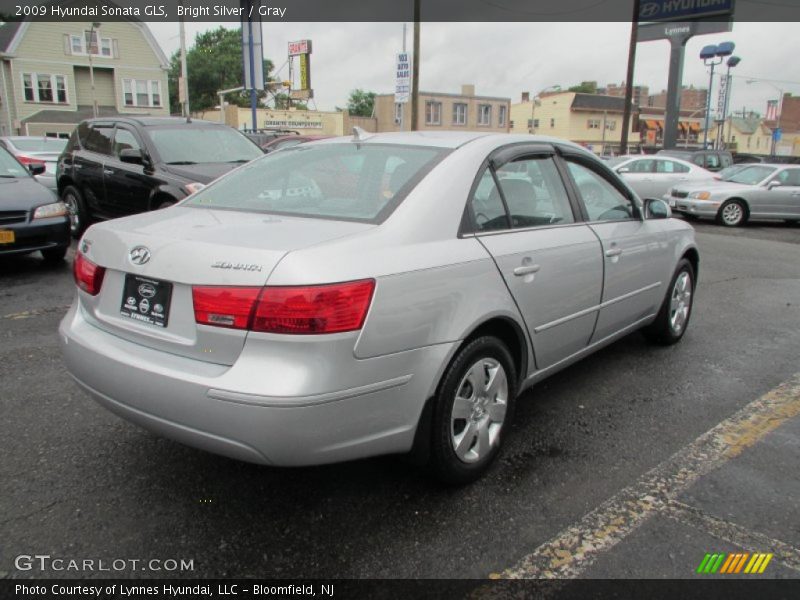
(773, 184)
(132, 156)
(36, 168)
(656, 208)
(624, 170)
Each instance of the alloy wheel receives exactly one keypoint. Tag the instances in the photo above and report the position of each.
(680, 302)
(732, 213)
(479, 410)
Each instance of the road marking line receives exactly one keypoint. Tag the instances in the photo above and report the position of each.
(34, 312)
(575, 548)
(743, 537)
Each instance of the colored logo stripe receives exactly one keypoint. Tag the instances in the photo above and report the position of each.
(734, 562)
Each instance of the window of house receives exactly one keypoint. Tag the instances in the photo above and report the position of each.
(91, 42)
(398, 113)
(433, 113)
(141, 92)
(501, 116)
(536, 123)
(459, 113)
(484, 114)
(592, 124)
(41, 87)
(552, 122)
(611, 125)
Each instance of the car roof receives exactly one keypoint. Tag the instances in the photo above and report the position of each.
(157, 121)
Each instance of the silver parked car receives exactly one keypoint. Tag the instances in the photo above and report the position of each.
(756, 191)
(653, 176)
(371, 295)
(32, 150)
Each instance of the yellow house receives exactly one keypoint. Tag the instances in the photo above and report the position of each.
(744, 134)
(47, 70)
(593, 120)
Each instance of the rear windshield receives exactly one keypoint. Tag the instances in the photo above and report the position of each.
(344, 181)
(45, 144)
(196, 145)
(751, 175)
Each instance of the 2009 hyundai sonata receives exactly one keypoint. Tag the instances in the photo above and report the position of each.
(377, 294)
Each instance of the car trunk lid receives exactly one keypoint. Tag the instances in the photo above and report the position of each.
(188, 247)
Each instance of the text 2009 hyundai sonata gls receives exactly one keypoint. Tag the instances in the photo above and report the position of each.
(371, 295)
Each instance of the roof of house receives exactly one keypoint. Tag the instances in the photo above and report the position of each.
(597, 102)
(84, 112)
(7, 32)
(747, 125)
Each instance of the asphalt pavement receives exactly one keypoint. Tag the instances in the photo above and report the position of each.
(639, 438)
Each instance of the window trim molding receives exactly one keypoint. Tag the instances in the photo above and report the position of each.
(84, 51)
(456, 106)
(53, 86)
(488, 122)
(432, 103)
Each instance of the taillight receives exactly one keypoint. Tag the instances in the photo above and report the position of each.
(332, 308)
(224, 306)
(88, 276)
(29, 160)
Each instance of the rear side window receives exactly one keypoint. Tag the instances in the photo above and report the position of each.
(96, 138)
(670, 166)
(344, 181)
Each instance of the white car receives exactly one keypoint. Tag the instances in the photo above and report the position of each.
(652, 176)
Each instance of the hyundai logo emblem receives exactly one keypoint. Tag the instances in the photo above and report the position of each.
(139, 255)
(649, 10)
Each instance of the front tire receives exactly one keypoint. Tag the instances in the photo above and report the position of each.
(732, 213)
(78, 215)
(472, 410)
(54, 255)
(676, 310)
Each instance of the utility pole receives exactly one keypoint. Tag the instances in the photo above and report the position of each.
(415, 71)
(626, 110)
(402, 106)
(183, 84)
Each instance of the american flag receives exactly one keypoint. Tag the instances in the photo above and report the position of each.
(772, 110)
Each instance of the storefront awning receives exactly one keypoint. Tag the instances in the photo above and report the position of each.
(695, 127)
(651, 124)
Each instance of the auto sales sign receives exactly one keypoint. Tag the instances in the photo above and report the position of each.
(684, 10)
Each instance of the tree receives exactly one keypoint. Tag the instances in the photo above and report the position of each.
(585, 87)
(361, 103)
(214, 63)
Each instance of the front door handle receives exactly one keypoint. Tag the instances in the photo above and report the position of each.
(526, 270)
(613, 252)
(108, 171)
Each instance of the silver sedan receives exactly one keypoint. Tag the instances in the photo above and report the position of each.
(758, 191)
(370, 295)
(653, 176)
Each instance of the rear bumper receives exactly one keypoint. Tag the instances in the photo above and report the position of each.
(41, 234)
(209, 407)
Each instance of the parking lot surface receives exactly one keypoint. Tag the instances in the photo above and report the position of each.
(80, 483)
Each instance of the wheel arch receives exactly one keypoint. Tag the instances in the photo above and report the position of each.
(693, 256)
(738, 199)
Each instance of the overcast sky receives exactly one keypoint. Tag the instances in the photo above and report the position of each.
(505, 59)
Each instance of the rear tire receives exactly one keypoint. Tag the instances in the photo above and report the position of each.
(472, 410)
(54, 255)
(732, 213)
(676, 310)
(78, 214)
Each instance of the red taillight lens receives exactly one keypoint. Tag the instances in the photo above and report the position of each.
(88, 276)
(224, 306)
(314, 309)
(29, 160)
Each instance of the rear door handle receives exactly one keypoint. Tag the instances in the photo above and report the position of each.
(108, 171)
(526, 270)
(613, 252)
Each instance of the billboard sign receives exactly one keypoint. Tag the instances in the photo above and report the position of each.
(683, 10)
(402, 78)
(300, 47)
(723, 91)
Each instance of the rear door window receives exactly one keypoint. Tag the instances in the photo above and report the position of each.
(534, 192)
(97, 138)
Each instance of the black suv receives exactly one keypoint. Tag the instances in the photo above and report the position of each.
(120, 166)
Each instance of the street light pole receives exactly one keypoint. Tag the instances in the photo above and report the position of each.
(708, 54)
(415, 71)
(183, 84)
(92, 30)
(732, 62)
(555, 88)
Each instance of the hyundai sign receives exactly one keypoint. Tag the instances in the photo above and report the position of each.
(683, 10)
